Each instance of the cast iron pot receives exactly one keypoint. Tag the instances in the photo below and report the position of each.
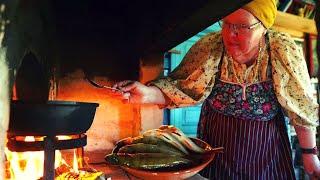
(50, 118)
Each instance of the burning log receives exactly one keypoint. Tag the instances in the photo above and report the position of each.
(65, 172)
(62, 169)
(8, 173)
(83, 175)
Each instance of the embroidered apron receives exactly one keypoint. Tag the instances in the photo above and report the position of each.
(252, 130)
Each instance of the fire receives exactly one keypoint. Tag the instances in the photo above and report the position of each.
(28, 164)
(75, 163)
(77, 173)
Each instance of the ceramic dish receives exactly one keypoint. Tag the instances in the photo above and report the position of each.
(208, 157)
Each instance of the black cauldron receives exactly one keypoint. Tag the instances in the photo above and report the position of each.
(50, 118)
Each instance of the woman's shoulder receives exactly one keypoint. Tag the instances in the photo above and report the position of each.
(212, 37)
(279, 38)
(209, 43)
(284, 49)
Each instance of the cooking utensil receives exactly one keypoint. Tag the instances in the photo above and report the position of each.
(103, 86)
(50, 118)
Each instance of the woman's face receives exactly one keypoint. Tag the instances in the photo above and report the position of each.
(240, 41)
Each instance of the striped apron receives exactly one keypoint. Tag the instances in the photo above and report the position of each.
(252, 131)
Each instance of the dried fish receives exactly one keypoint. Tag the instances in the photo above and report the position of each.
(155, 149)
(151, 148)
(153, 138)
(167, 138)
(182, 138)
(148, 161)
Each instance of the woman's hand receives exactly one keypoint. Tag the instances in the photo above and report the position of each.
(137, 93)
(311, 165)
(307, 139)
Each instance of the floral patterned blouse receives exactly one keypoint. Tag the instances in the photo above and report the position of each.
(192, 81)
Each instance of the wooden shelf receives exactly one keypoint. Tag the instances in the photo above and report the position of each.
(294, 25)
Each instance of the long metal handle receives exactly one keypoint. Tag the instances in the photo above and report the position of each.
(102, 86)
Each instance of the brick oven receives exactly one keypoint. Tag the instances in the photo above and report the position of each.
(50, 48)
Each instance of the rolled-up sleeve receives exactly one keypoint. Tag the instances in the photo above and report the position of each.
(292, 82)
(191, 82)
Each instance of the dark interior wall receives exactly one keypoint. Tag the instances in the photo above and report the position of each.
(29, 46)
(108, 38)
(104, 38)
(92, 37)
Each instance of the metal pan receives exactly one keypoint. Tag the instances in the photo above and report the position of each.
(50, 118)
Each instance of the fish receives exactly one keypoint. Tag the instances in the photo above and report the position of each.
(167, 137)
(165, 148)
(148, 161)
(182, 138)
(151, 148)
(152, 138)
(122, 143)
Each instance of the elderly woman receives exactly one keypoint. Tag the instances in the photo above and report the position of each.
(248, 77)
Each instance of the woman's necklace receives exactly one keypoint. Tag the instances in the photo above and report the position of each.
(243, 83)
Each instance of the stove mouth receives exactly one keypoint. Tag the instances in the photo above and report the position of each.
(48, 145)
(46, 122)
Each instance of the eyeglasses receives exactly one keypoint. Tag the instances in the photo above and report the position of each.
(240, 28)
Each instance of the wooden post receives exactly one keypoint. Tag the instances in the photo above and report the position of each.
(49, 154)
(6, 82)
(4, 106)
(17, 35)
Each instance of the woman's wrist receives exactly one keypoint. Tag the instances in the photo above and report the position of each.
(156, 96)
(307, 138)
(313, 150)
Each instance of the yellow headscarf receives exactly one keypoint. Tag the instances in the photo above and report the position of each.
(264, 10)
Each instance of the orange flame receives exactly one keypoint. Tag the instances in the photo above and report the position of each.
(22, 165)
(75, 162)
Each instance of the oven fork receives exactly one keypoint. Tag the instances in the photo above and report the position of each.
(103, 86)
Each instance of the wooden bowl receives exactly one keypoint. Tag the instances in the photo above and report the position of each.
(208, 156)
